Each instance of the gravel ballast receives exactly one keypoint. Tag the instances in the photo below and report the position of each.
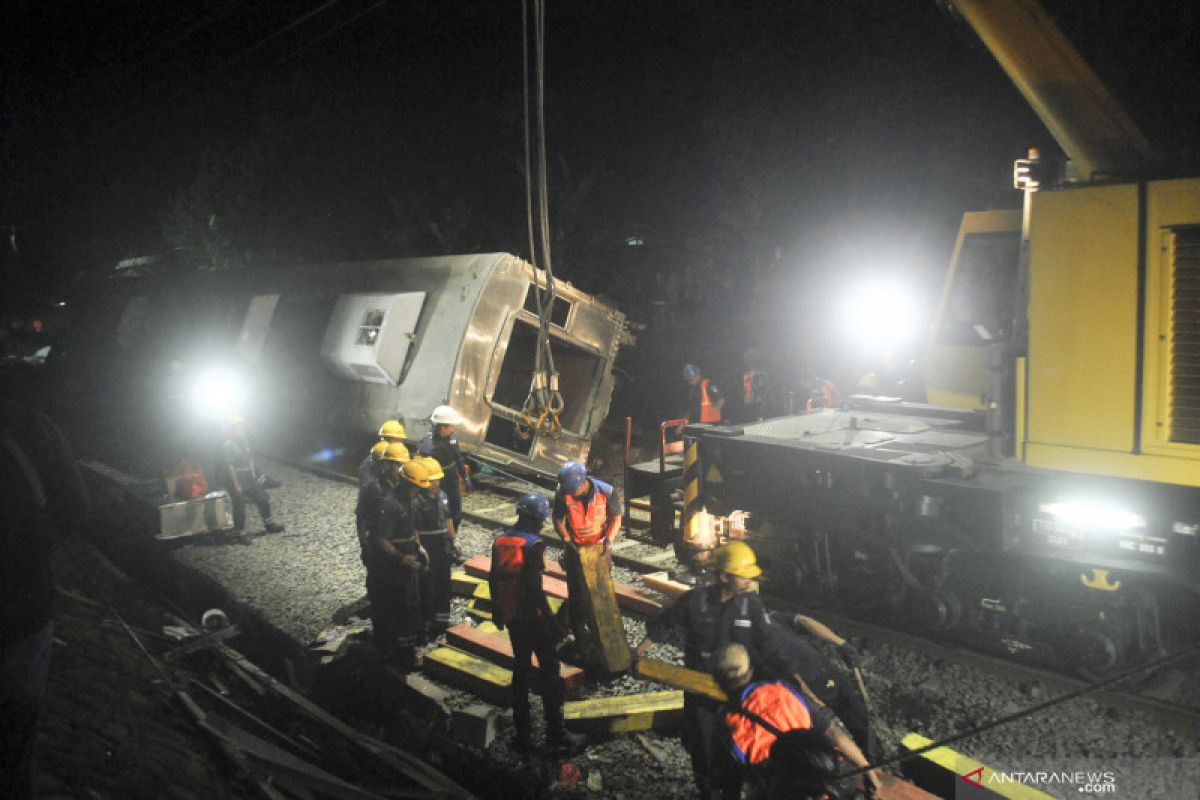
(296, 580)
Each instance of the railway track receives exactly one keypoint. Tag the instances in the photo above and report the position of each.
(635, 551)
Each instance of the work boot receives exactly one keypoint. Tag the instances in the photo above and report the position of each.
(564, 742)
(275, 527)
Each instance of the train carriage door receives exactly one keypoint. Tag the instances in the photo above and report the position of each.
(255, 327)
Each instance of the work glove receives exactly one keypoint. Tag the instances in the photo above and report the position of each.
(849, 653)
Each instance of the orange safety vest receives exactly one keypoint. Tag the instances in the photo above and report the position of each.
(595, 514)
(776, 703)
(708, 412)
(748, 384)
(508, 562)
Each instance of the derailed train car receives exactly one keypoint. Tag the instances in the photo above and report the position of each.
(317, 356)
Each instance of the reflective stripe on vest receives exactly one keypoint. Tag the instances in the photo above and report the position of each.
(776, 703)
(595, 515)
(708, 412)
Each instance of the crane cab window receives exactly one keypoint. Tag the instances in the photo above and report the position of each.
(980, 306)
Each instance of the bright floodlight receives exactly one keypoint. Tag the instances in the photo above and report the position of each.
(217, 392)
(1090, 515)
(882, 315)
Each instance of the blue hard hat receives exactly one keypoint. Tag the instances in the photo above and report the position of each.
(535, 506)
(690, 371)
(571, 476)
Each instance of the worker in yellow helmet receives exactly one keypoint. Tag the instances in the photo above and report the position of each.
(390, 431)
(394, 560)
(727, 611)
(431, 519)
(369, 491)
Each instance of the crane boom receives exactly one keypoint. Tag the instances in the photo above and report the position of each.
(1079, 111)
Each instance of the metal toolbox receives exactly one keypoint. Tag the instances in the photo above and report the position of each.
(213, 512)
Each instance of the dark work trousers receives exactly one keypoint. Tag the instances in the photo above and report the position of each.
(707, 744)
(435, 584)
(254, 493)
(454, 497)
(536, 637)
(395, 595)
(24, 665)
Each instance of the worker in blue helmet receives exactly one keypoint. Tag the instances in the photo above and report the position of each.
(515, 580)
(587, 513)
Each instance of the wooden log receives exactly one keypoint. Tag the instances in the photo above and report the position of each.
(498, 650)
(465, 671)
(479, 610)
(553, 587)
(628, 597)
(599, 613)
(632, 712)
(659, 582)
(482, 601)
(464, 584)
(690, 680)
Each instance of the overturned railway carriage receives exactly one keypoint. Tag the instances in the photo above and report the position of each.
(317, 356)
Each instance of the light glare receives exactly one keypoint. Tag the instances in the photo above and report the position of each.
(217, 392)
(1094, 516)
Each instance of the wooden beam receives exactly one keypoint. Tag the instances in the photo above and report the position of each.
(630, 712)
(659, 582)
(465, 671)
(690, 680)
(600, 614)
(463, 584)
(628, 597)
(498, 650)
(941, 771)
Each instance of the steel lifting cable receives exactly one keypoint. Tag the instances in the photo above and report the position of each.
(1045, 705)
(544, 403)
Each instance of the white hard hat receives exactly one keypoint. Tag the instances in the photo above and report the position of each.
(445, 415)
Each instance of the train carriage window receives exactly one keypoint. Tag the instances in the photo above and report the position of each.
(368, 329)
(578, 374)
(558, 314)
(981, 302)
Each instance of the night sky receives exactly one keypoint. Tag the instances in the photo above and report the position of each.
(789, 142)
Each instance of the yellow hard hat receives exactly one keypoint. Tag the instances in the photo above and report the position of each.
(435, 467)
(377, 450)
(738, 559)
(392, 431)
(394, 451)
(731, 666)
(418, 473)
(237, 419)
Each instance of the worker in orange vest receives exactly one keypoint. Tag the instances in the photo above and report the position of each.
(705, 401)
(754, 385)
(515, 579)
(786, 745)
(587, 513)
